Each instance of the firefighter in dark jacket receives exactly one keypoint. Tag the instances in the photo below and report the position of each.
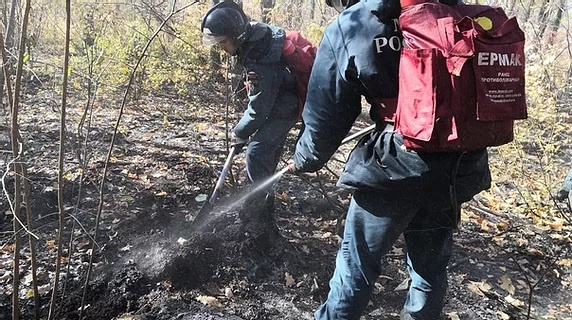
(396, 191)
(273, 102)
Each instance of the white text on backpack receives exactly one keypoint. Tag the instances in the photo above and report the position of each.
(499, 59)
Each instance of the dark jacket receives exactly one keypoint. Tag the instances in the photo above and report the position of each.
(351, 62)
(359, 56)
(267, 79)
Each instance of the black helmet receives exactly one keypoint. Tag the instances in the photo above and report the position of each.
(341, 5)
(224, 20)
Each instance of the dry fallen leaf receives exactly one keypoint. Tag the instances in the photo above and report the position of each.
(536, 252)
(564, 262)
(290, 282)
(228, 293)
(521, 284)
(397, 251)
(506, 284)
(403, 285)
(181, 241)
(453, 315)
(503, 315)
(51, 244)
(503, 226)
(521, 242)
(515, 302)
(315, 287)
(28, 279)
(485, 225)
(557, 225)
(479, 288)
(166, 285)
(209, 301)
(7, 248)
(45, 289)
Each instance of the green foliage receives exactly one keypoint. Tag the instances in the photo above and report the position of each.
(315, 33)
(108, 39)
(179, 60)
(294, 15)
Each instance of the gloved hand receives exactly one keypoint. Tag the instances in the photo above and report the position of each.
(292, 168)
(238, 143)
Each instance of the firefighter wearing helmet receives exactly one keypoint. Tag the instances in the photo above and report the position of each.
(225, 24)
(272, 108)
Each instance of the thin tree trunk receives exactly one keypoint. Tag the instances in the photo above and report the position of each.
(511, 6)
(9, 40)
(24, 177)
(544, 13)
(61, 221)
(16, 149)
(543, 9)
(31, 242)
(555, 22)
(527, 11)
(11, 23)
(266, 7)
(312, 9)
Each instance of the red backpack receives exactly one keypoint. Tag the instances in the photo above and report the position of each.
(299, 55)
(461, 77)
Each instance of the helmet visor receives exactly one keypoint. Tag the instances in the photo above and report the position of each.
(209, 39)
(339, 5)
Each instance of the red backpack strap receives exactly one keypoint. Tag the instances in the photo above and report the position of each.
(407, 3)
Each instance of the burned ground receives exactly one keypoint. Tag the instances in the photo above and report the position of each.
(149, 263)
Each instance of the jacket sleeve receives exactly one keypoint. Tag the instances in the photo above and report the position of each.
(332, 105)
(262, 94)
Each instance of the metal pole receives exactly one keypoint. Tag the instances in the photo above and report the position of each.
(358, 134)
